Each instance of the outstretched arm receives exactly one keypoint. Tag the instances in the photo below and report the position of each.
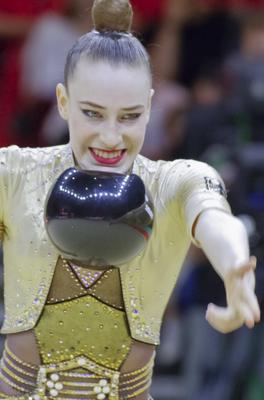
(223, 239)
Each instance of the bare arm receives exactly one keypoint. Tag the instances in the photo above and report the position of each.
(224, 241)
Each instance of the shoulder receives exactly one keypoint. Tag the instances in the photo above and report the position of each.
(190, 166)
(14, 156)
(143, 164)
(178, 168)
(184, 171)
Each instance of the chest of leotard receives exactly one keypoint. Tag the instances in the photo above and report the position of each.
(84, 315)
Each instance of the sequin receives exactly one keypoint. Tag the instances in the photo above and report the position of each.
(176, 189)
(101, 341)
(87, 277)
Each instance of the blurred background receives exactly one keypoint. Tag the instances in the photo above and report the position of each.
(208, 73)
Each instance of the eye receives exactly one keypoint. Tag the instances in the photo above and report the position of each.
(130, 117)
(92, 114)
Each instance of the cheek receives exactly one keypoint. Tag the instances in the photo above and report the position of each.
(141, 129)
(138, 136)
(78, 128)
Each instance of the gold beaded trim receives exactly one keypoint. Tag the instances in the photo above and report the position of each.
(86, 276)
(143, 375)
(4, 396)
(142, 390)
(79, 392)
(14, 376)
(78, 375)
(138, 371)
(93, 290)
(12, 384)
(14, 357)
(125, 389)
(85, 363)
(79, 384)
(50, 382)
(8, 362)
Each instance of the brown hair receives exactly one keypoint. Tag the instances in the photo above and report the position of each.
(112, 15)
(111, 39)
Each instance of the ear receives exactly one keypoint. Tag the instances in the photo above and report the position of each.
(151, 94)
(62, 101)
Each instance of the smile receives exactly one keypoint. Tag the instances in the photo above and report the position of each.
(108, 157)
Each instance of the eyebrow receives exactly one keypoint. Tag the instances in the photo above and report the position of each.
(89, 103)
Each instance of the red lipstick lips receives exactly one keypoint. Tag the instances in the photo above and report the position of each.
(107, 157)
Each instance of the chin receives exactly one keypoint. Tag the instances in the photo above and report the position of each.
(102, 168)
(88, 165)
(105, 168)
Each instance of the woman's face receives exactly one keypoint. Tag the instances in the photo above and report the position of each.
(107, 109)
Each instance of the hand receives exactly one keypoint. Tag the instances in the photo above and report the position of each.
(242, 304)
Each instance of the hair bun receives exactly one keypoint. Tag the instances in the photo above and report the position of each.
(112, 15)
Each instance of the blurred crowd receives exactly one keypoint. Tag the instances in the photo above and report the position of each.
(208, 76)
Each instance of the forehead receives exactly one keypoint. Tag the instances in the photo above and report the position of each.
(105, 84)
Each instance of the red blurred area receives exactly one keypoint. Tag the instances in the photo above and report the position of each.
(29, 7)
(16, 17)
(148, 9)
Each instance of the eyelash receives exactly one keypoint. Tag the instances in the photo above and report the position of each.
(96, 115)
(131, 117)
(92, 114)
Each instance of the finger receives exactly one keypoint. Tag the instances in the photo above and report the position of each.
(246, 267)
(247, 315)
(251, 300)
(250, 279)
(253, 260)
(224, 319)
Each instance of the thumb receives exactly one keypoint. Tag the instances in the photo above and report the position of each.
(223, 319)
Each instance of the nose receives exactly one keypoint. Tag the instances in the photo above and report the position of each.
(111, 136)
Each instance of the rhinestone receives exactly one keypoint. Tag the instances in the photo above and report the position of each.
(58, 386)
(97, 389)
(81, 361)
(50, 384)
(106, 389)
(36, 397)
(54, 392)
(54, 377)
(42, 370)
(103, 382)
(100, 396)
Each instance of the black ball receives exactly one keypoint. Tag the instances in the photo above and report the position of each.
(98, 218)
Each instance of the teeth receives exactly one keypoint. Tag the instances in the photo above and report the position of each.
(104, 154)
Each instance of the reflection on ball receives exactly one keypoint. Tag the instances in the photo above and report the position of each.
(98, 218)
